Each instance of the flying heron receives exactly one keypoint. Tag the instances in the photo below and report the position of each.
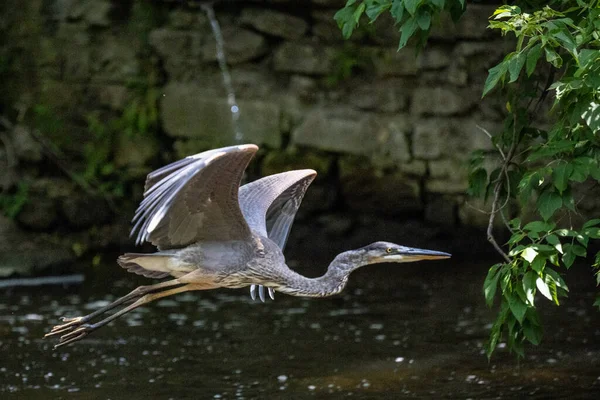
(212, 233)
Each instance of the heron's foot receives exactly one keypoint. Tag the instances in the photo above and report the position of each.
(261, 292)
(75, 335)
(71, 324)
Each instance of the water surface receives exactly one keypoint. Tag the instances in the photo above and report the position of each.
(398, 331)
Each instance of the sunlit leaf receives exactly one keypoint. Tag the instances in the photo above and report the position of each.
(543, 288)
(529, 254)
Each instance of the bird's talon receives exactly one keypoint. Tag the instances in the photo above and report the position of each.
(74, 336)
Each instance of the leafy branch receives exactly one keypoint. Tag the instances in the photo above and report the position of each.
(542, 167)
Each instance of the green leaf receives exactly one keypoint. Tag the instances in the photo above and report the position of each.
(539, 226)
(491, 284)
(406, 31)
(532, 332)
(411, 6)
(515, 65)
(495, 75)
(552, 57)
(375, 9)
(568, 259)
(477, 182)
(358, 12)
(547, 204)
(538, 264)
(561, 175)
(597, 302)
(591, 222)
(532, 58)
(517, 307)
(397, 10)
(424, 19)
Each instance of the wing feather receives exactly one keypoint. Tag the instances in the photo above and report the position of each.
(194, 199)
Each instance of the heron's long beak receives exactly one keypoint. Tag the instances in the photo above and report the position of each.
(409, 254)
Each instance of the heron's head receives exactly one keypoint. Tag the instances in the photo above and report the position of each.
(381, 252)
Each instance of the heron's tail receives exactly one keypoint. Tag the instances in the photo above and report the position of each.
(148, 265)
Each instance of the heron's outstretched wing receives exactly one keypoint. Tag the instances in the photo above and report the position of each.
(270, 204)
(194, 199)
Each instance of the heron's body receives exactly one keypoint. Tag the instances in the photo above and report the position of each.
(212, 233)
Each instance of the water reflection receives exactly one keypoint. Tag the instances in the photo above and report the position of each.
(414, 331)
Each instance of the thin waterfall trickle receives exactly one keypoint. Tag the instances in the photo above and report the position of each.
(222, 59)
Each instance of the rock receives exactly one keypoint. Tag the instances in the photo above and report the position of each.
(430, 136)
(180, 52)
(303, 58)
(187, 113)
(304, 88)
(39, 213)
(135, 151)
(391, 62)
(323, 128)
(28, 254)
(25, 146)
(472, 25)
(241, 45)
(75, 50)
(445, 186)
(115, 60)
(274, 23)
(114, 97)
(441, 101)
(94, 12)
(368, 191)
(434, 57)
(393, 140)
(275, 162)
(415, 168)
(83, 211)
(387, 96)
(452, 169)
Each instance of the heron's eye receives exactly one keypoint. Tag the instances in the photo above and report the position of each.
(388, 250)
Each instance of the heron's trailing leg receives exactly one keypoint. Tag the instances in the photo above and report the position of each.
(85, 329)
(72, 323)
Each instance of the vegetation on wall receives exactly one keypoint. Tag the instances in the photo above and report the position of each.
(540, 166)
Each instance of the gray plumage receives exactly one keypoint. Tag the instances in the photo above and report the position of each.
(212, 233)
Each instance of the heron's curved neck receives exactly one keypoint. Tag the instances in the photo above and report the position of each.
(332, 282)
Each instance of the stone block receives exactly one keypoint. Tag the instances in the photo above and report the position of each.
(387, 96)
(25, 146)
(392, 140)
(186, 112)
(445, 186)
(434, 57)
(429, 138)
(274, 23)
(442, 101)
(241, 45)
(472, 25)
(304, 58)
(135, 151)
(339, 129)
(391, 62)
(449, 168)
(93, 12)
(115, 60)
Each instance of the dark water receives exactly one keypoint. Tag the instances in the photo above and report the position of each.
(398, 331)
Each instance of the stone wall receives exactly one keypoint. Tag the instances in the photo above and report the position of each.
(389, 132)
